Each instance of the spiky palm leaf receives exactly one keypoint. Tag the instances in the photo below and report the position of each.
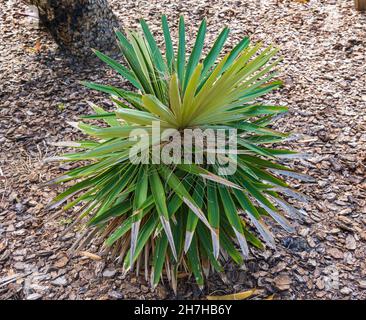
(182, 217)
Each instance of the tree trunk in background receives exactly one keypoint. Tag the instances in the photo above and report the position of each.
(360, 5)
(79, 25)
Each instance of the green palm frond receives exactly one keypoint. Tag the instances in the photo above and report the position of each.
(182, 217)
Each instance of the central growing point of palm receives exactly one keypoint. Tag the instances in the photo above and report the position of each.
(182, 218)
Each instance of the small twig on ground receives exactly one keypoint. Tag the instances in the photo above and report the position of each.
(9, 279)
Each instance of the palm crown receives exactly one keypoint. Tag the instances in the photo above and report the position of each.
(182, 217)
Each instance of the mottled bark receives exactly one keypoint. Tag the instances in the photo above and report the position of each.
(79, 25)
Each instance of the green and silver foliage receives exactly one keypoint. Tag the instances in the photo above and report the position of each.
(182, 218)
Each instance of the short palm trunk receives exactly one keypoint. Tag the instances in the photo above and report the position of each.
(79, 25)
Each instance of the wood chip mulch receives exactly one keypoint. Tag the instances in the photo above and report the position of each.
(324, 48)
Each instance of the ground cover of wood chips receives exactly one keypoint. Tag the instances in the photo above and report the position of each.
(324, 70)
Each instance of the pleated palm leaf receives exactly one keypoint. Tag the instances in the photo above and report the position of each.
(182, 217)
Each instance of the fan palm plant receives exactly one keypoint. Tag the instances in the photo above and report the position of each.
(172, 218)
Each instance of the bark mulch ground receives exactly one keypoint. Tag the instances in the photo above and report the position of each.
(324, 49)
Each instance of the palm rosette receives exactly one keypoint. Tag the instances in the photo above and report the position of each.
(179, 217)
